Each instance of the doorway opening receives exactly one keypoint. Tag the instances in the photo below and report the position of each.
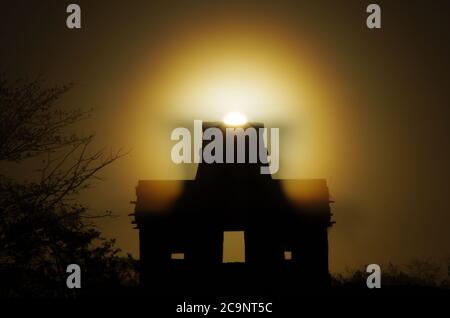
(233, 247)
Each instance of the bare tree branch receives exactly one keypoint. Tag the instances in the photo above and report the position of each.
(31, 122)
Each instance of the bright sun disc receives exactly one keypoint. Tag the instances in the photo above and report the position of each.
(235, 119)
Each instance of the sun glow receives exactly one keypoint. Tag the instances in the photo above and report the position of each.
(209, 74)
(222, 72)
(235, 119)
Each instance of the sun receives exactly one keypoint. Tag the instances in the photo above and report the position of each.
(235, 119)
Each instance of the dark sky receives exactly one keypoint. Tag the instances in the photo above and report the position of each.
(384, 146)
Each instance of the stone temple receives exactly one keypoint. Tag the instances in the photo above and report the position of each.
(182, 225)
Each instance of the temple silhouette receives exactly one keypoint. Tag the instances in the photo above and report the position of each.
(182, 224)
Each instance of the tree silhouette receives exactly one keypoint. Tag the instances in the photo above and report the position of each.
(42, 227)
(417, 273)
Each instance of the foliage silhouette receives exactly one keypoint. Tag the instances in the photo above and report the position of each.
(42, 226)
(417, 273)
